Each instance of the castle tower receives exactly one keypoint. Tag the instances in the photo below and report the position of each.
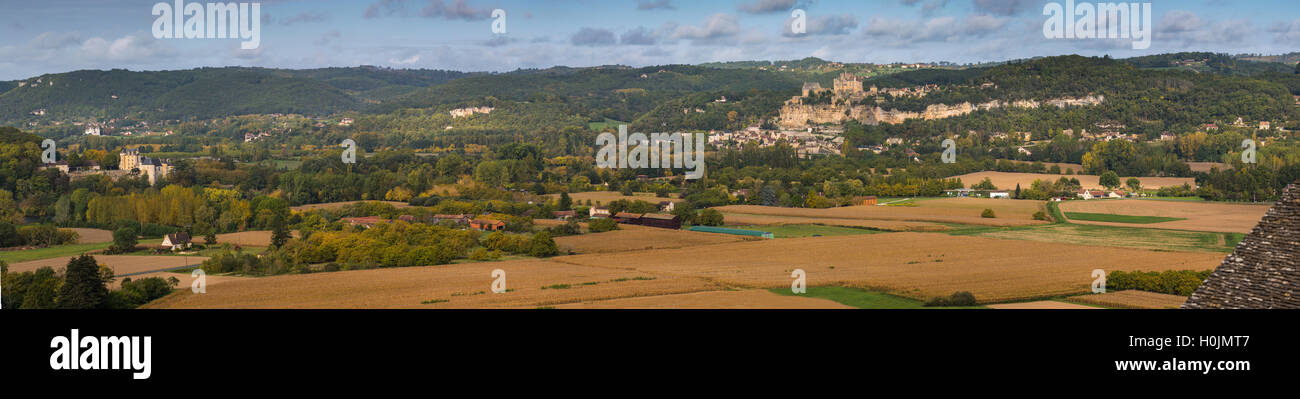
(128, 159)
(848, 84)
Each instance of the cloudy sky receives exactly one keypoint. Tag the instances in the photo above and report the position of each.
(51, 36)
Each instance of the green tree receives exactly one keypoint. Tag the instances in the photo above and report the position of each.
(83, 286)
(602, 225)
(1297, 68)
(710, 217)
(1133, 184)
(124, 239)
(542, 245)
(279, 231)
(1109, 180)
(566, 203)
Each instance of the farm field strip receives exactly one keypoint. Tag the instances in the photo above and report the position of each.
(769, 220)
(532, 283)
(1120, 237)
(913, 265)
(122, 265)
(1114, 218)
(937, 210)
(629, 238)
(1197, 216)
(1132, 299)
(1009, 180)
(730, 299)
(51, 252)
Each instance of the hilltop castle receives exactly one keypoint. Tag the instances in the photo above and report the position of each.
(154, 168)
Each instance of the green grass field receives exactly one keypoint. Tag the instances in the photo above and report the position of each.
(1062, 231)
(863, 299)
(1109, 217)
(51, 252)
(607, 124)
(807, 230)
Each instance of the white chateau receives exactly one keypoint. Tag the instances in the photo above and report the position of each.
(154, 168)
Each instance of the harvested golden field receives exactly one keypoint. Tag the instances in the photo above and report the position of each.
(121, 264)
(606, 197)
(248, 238)
(890, 225)
(741, 299)
(1201, 216)
(637, 238)
(1064, 166)
(185, 279)
(448, 286)
(914, 265)
(1132, 299)
(1040, 305)
(1206, 166)
(333, 205)
(1008, 181)
(935, 210)
(92, 236)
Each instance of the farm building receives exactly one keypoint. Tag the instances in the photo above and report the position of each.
(487, 224)
(999, 194)
(598, 212)
(1262, 272)
(563, 215)
(867, 200)
(662, 221)
(739, 232)
(627, 217)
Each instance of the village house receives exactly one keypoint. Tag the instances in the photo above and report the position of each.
(1265, 125)
(176, 241)
(667, 206)
(346, 122)
(598, 212)
(487, 224)
(458, 218)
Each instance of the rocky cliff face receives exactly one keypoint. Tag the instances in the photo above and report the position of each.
(794, 115)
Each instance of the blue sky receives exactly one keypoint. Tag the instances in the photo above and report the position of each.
(50, 36)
